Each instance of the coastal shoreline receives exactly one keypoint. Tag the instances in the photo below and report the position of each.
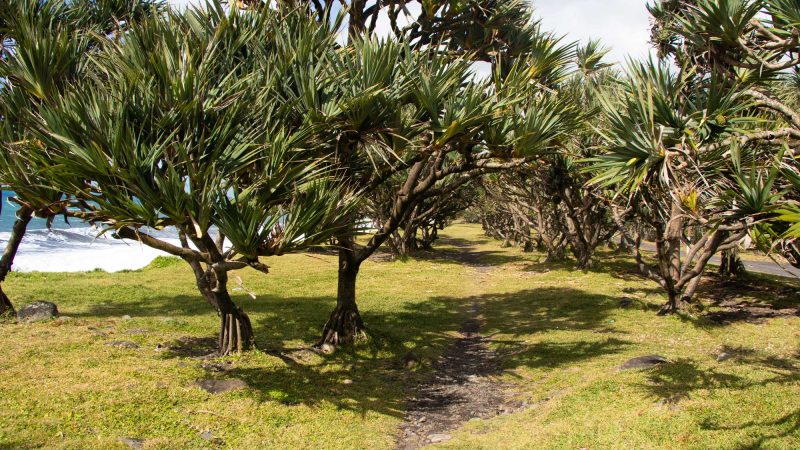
(80, 249)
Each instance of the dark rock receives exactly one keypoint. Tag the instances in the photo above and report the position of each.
(37, 312)
(123, 344)
(626, 302)
(133, 443)
(220, 386)
(643, 362)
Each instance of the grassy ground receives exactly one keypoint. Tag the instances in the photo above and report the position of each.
(562, 333)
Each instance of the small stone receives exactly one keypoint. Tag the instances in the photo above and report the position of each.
(209, 436)
(724, 357)
(434, 438)
(220, 386)
(136, 331)
(123, 344)
(643, 362)
(133, 443)
(347, 381)
(126, 317)
(625, 302)
(411, 361)
(37, 312)
(328, 349)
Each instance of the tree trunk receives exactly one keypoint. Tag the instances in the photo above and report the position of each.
(236, 330)
(6, 307)
(625, 247)
(345, 325)
(730, 264)
(24, 216)
(675, 304)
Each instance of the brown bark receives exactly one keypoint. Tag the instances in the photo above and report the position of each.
(345, 324)
(236, 330)
(24, 216)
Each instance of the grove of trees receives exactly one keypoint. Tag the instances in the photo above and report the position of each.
(258, 129)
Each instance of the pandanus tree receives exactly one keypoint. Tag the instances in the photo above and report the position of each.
(412, 114)
(183, 126)
(422, 122)
(44, 50)
(674, 158)
(755, 42)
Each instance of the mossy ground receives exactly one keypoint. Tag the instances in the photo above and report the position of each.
(562, 334)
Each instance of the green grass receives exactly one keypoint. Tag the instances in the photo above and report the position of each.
(562, 333)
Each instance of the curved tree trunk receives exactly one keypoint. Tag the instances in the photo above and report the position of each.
(345, 325)
(236, 330)
(24, 216)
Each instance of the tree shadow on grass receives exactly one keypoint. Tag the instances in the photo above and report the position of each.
(788, 425)
(372, 376)
(685, 376)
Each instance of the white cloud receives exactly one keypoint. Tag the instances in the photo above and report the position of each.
(623, 25)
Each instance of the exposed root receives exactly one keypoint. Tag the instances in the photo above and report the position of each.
(236, 333)
(343, 328)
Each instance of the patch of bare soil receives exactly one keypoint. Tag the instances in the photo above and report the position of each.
(463, 387)
(735, 311)
(739, 301)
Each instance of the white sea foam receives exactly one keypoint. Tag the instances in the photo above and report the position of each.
(82, 250)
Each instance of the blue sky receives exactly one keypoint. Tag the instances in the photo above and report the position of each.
(620, 24)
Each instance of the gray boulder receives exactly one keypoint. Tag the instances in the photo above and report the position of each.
(643, 362)
(37, 312)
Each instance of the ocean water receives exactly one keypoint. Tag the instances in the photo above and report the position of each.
(8, 216)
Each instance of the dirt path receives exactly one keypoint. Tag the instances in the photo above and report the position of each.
(462, 387)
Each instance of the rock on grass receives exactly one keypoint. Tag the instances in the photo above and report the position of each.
(37, 312)
(643, 362)
(220, 386)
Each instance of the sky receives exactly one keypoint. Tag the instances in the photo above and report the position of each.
(622, 25)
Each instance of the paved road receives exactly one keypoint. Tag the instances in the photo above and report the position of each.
(766, 267)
